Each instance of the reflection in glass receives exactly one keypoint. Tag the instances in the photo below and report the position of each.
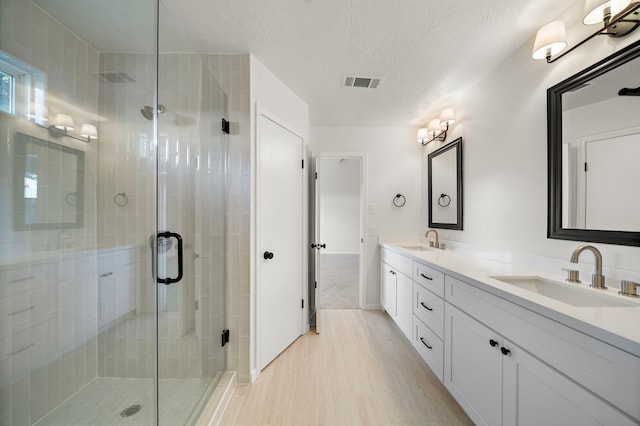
(52, 196)
(601, 145)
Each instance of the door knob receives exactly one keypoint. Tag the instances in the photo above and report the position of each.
(267, 255)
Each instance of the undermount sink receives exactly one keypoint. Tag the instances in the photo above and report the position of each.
(415, 247)
(566, 293)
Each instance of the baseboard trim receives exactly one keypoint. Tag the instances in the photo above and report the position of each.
(373, 307)
(217, 404)
(254, 375)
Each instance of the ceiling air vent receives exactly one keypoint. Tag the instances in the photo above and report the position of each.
(366, 82)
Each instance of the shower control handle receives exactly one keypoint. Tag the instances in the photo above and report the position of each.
(178, 237)
(267, 255)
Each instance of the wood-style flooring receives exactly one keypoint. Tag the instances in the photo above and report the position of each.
(360, 370)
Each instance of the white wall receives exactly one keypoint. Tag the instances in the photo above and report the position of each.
(339, 185)
(502, 119)
(270, 94)
(393, 165)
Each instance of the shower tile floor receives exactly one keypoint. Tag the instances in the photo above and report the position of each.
(101, 402)
(339, 281)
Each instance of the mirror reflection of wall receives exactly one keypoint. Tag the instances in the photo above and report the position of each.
(444, 200)
(601, 145)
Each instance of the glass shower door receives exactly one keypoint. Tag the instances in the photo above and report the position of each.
(191, 209)
(92, 171)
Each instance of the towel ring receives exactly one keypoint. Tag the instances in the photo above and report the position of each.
(71, 199)
(399, 200)
(444, 200)
(121, 199)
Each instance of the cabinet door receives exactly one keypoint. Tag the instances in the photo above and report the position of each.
(388, 289)
(536, 394)
(404, 304)
(473, 366)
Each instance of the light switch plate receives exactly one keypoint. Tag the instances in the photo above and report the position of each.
(372, 208)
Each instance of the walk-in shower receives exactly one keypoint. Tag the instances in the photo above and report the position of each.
(98, 325)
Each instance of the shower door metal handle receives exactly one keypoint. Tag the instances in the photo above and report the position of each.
(178, 237)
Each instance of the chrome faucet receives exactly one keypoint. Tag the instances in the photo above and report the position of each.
(597, 279)
(435, 244)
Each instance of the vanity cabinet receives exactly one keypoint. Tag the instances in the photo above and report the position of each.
(497, 382)
(503, 363)
(388, 289)
(507, 365)
(396, 289)
(428, 316)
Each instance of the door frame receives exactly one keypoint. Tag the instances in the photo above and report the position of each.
(362, 156)
(257, 235)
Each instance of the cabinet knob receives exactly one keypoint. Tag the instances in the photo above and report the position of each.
(493, 343)
(267, 255)
(505, 351)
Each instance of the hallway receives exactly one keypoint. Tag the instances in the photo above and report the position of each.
(359, 371)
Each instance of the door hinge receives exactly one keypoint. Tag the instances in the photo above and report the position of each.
(303, 163)
(225, 126)
(302, 303)
(196, 305)
(585, 166)
(316, 175)
(225, 337)
(315, 284)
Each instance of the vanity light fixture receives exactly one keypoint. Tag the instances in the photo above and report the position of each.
(62, 125)
(617, 18)
(437, 128)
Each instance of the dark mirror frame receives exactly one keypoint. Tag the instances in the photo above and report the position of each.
(21, 148)
(458, 145)
(554, 153)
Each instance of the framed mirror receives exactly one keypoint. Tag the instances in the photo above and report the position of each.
(48, 185)
(593, 130)
(445, 186)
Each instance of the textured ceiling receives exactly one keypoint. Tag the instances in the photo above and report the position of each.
(428, 51)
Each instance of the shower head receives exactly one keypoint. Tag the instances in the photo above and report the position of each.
(147, 111)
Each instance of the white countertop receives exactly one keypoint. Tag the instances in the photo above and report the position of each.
(617, 326)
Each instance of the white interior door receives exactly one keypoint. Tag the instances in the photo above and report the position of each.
(339, 235)
(314, 235)
(280, 238)
(611, 177)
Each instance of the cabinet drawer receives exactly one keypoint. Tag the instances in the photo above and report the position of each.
(429, 308)
(429, 346)
(611, 373)
(429, 278)
(397, 261)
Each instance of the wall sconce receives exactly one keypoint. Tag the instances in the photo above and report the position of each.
(437, 128)
(61, 126)
(617, 17)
